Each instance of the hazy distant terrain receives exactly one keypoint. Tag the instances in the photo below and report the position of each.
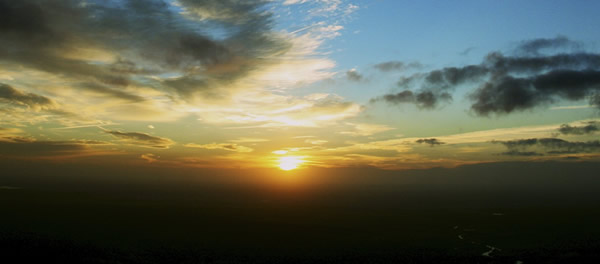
(438, 215)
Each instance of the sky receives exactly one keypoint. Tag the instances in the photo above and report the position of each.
(288, 84)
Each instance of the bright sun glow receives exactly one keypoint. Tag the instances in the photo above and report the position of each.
(290, 163)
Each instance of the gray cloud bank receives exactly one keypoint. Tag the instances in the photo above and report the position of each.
(148, 36)
(590, 128)
(520, 147)
(507, 84)
(10, 95)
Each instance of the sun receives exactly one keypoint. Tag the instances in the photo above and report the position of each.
(290, 163)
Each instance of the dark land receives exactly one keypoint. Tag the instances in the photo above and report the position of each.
(545, 212)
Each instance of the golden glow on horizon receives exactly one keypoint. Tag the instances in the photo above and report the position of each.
(290, 162)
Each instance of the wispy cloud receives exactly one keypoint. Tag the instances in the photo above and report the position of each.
(149, 157)
(221, 146)
(249, 140)
(365, 129)
(141, 139)
(571, 107)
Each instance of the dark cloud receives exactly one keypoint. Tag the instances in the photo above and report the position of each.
(466, 51)
(521, 153)
(189, 85)
(553, 145)
(406, 82)
(452, 76)
(27, 147)
(510, 94)
(533, 47)
(513, 83)
(560, 152)
(590, 128)
(45, 35)
(112, 92)
(501, 65)
(354, 76)
(142, 139)
(123, 66)
(13, 96)
(435, 85)
(511, 144)
(595, 99)
(424, 99)
(401, 97)
(575, 146)
(430, 141)
(396, 66)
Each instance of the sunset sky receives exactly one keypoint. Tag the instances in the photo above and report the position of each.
(299, 83)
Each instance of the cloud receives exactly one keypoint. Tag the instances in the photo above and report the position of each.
(435, 88)
(425, 99)
(430, 141)
(333, 9)
(149, 36)
(141, 139)
(509, 94)
(9, 132)
(29, 147)
(157, 60)
(472, 142)
(293, 2)
(590, 128)
(111, 92)
(149, 157)
(248, 140)
(222, 146)
(575, 146)
(354, 76)
(20, 107)
(571, 107)
(389, 66)
(554, 145)
(11, 95)
(364, 129)
(501, 134)
(506, 84)
(521, 153)
(533, 47)
(269, 110)
(466, 51)
(316, 141)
